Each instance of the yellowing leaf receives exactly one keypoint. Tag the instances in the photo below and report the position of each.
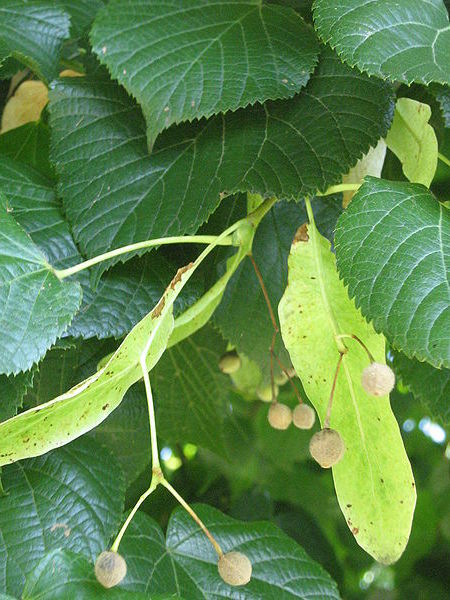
(412, 139)
(26, 105)
(374, 483)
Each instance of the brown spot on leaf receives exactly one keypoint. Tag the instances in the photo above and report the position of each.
(301, 234)
(158, 308)
(355, 531)
(105, 406)
(179, 274)
(349, 505)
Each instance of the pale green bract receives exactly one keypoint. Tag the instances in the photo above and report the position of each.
(374, 483)
(65, 418)
(82, 408)
(412, 139)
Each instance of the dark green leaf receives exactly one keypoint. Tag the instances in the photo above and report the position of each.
(125, 293)
(82, 13)
(56, 373)
(442, 95)
(216, 58)
(122, 195)
(12, 390)
(36, 307)
(430, 385)
(192, 394)
(33, 33)
(62, 575)
(33, 203)
(126, 433)
(392, 249)
(187, 563)
(29, 144)
(404, 40)
(63, 499)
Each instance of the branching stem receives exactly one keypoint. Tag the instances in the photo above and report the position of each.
(157, 474)
(360, 342)
(186, 239)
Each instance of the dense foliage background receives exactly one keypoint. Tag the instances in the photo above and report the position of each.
(128, 120)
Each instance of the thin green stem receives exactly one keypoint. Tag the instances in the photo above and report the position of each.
(151, 415)
(326, 423)
(444, 159)
(196, 518)
(340, 187)
(153, 485)
(186, 239)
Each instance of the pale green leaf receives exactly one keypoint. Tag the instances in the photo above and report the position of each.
(192, 59)
(393, 252)
(374, 483)
(412, 139)
(36, 307)
(33, 33)
(187, 563)
(405, 40)
(277, 149)
(62, 500)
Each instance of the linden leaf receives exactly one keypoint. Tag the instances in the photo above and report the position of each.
(217, 56)
(405, 40)
(35, 306)
(393, 252)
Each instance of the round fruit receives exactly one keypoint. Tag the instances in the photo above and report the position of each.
(110, 568)
(326, 447)
(235, 568)
(229, 363)
(378, 379)
(279, 416)
(281, 378)
(303, 416)
(264, 392)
